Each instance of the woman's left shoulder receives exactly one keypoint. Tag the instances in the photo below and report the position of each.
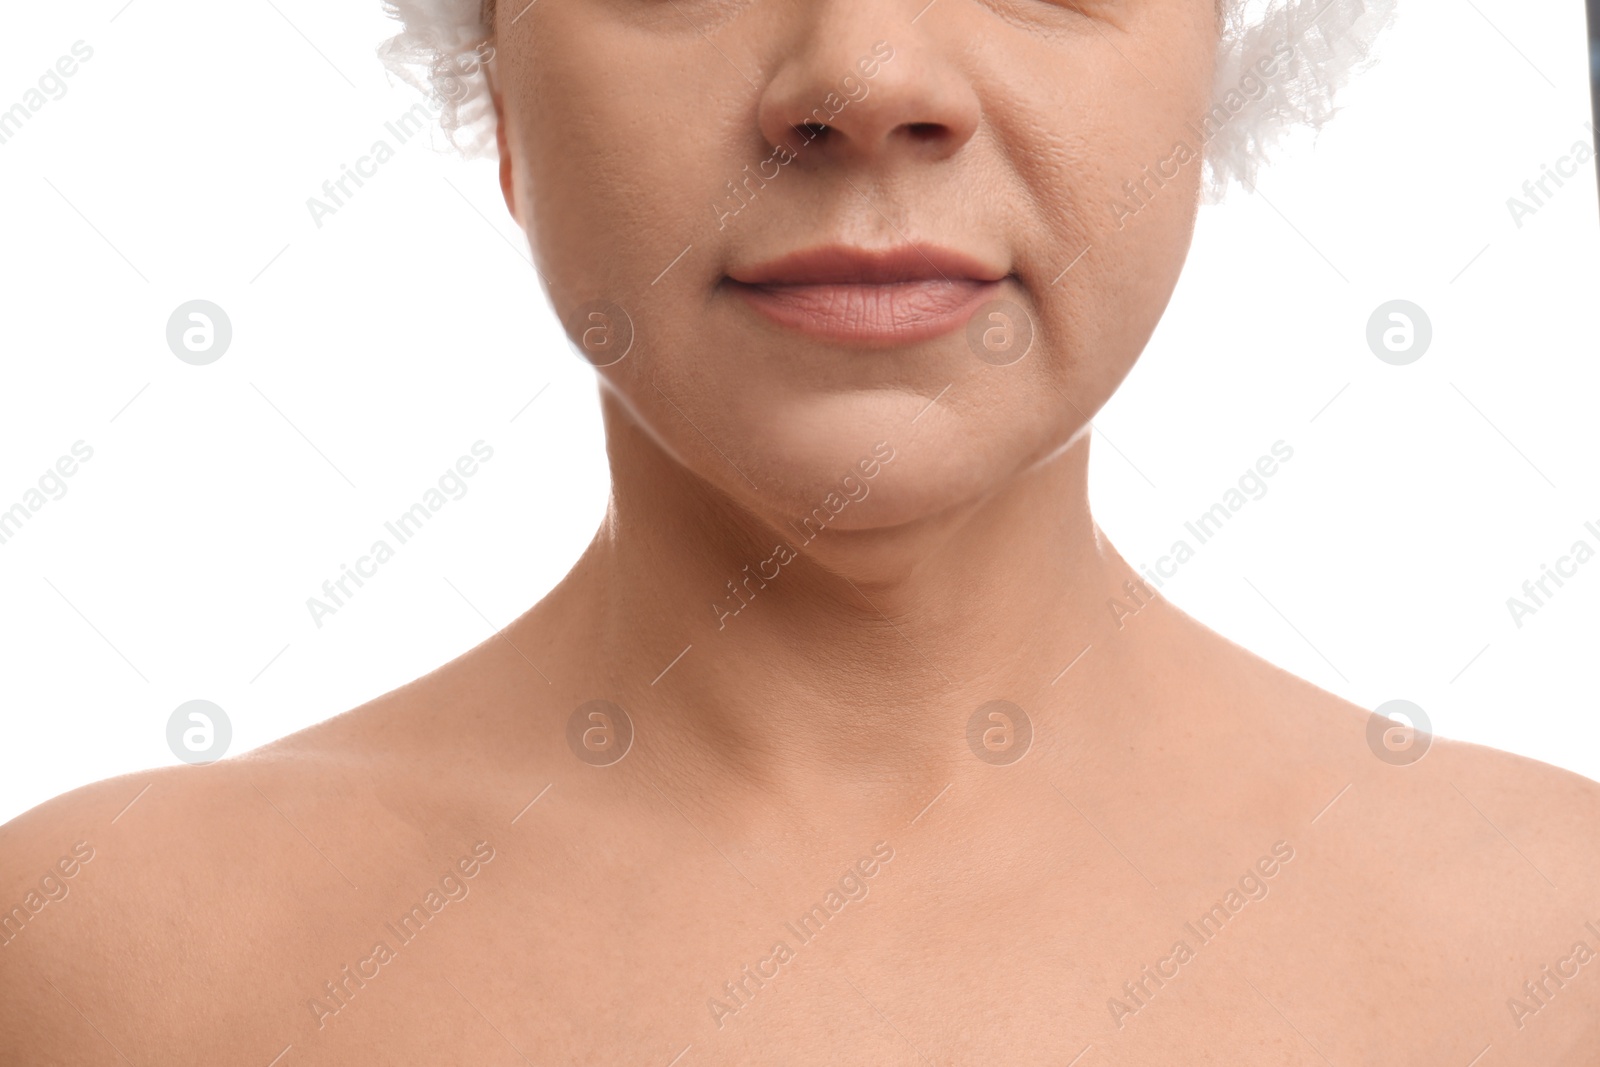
(1536, 807)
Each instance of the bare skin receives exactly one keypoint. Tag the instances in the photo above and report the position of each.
(815, 748)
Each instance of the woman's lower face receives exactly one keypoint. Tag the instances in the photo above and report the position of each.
(786, 231)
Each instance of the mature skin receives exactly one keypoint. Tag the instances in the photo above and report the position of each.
(831, 714)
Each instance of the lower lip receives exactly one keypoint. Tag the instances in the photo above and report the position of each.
(879, 315)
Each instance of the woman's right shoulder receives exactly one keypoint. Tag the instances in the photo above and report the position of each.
(146, 888)
(153, 814)
(89, 880)
(185, 914)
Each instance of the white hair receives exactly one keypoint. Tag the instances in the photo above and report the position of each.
(1326, 41)
(1329, 42)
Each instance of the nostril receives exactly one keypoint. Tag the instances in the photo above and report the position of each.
(811, 130)
(926, 131)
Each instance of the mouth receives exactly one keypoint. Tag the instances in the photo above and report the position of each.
(869, 298)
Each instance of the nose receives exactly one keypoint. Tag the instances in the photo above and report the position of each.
(861, 80)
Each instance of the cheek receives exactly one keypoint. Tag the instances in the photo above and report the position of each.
(1114, 191)
(620, 175)
(618, 172)
(1099, 279)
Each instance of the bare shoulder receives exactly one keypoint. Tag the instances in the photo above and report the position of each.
(142, 882)
(1421, 784)
(1503, 853)
(1460, 876)
(158, 911)
(1555, 811)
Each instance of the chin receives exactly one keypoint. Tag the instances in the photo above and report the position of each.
(888, 459)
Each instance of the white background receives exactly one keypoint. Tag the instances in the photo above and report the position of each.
(370, 353)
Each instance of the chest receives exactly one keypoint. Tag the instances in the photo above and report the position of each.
(1036, 945)
(878, 962)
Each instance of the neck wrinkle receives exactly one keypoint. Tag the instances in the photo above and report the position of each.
(867, 652)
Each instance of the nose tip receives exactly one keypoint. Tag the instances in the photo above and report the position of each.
(889, 100)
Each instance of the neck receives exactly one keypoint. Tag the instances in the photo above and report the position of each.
(774, 649)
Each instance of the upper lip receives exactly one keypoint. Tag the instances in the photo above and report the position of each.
(839, 264)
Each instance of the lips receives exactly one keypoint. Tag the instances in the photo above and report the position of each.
(873, 298)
